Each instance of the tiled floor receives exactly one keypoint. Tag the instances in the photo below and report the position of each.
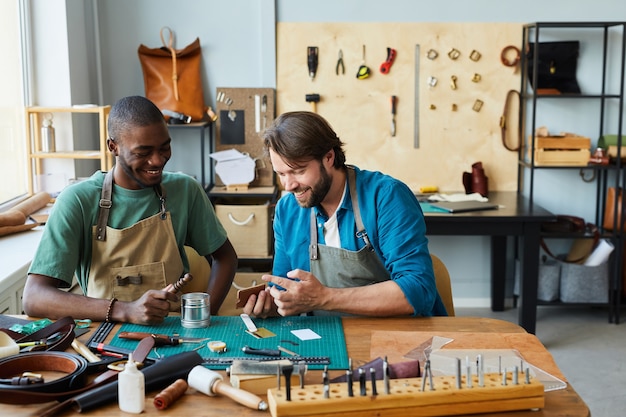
(590, 351)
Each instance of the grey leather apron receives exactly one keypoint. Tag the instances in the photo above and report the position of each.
(127, 262)
(341, 268)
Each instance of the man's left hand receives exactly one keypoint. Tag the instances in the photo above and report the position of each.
(302, 293)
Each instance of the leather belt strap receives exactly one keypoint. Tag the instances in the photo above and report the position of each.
(73, 366)
(64, 387)
(503, 121)
(65, 326)
(170, 47)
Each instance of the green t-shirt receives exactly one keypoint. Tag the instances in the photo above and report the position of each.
(67, 240)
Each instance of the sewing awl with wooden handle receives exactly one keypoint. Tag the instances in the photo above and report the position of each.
(178, 285)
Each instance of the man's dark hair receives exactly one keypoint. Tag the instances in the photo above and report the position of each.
(132, 111)
(302, 136)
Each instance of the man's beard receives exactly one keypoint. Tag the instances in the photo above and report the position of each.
(318, 191)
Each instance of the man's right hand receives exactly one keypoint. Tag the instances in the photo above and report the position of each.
(151, 308)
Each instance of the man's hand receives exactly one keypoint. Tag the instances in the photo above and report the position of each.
(261, 305)
(301, 292)
(151, 308)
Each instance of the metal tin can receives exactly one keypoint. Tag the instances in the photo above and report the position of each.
(195, 310)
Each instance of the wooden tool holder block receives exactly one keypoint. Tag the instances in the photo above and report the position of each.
(241, 112)
(407, 398)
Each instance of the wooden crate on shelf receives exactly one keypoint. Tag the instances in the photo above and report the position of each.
(562, 150)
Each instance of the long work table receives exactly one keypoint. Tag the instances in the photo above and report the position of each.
(367, 339)
(516, 217)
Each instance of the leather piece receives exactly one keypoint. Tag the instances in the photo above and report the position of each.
(65, 325)
(73, 366)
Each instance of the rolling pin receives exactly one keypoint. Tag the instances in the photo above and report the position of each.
(34, 203)
(18, 214)
(7, 230)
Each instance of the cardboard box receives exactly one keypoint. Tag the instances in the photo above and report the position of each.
(242, 280)
(248, 228)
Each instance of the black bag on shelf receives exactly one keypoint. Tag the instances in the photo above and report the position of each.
(556, 66)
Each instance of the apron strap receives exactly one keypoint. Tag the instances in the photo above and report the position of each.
(160, 192)
(105, 206)
(106, 203)
(361, 233)
(313, 255)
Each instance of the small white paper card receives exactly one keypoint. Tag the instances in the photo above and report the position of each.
(306, 334)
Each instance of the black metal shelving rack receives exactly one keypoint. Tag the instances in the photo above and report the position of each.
(613, 34)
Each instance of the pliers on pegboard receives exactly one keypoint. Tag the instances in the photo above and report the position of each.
(340, 65)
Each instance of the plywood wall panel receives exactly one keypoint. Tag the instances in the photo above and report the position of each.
(360, 110)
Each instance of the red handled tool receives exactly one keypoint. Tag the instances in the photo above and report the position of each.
(386, 66)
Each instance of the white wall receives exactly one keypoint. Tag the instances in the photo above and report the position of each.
(238, 42)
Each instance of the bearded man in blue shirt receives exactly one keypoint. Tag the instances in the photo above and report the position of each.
(347, 241)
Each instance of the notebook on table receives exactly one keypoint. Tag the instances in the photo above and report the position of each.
(463, 206)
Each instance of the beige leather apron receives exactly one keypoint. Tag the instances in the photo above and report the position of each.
(341, 268)
(125, 263)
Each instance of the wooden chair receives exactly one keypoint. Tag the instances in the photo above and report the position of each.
(200, 269)
(444, 287)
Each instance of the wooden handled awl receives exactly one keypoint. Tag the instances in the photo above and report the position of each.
(211, 383)
(178, 285)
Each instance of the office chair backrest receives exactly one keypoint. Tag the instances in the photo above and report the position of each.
(444, 287)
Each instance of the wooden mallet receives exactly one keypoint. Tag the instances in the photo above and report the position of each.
(211, 383)
(313, 99)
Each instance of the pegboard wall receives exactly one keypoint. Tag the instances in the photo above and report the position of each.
(440, 132)
(243, 114)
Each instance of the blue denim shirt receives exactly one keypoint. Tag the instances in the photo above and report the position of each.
(395, 226)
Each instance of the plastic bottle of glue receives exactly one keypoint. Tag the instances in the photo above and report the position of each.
(131, 394)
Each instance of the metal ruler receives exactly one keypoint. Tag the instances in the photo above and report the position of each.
(310, 360)
(101, 333)
(416, 138)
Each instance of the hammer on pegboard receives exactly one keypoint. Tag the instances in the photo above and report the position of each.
(313, 99)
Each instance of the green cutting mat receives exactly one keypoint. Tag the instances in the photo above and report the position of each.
(231, 330)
